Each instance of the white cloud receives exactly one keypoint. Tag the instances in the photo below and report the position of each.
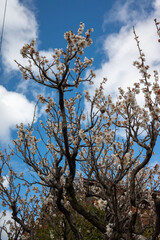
(6, 183)
(5, 219)
(127, 11)
(20, 28)
(156, 5)
(121, 50)
(14, 109)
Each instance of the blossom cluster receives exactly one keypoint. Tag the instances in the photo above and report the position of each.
(109, 229)
(25, 135)
(101, 204)
(53, 70)
(76, 43)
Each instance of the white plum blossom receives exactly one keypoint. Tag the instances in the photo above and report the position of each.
(109, 229)
(102, 204)
(21, 174)
(83, 117)
(82, 134)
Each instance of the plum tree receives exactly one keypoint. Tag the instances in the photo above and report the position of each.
(85, 178)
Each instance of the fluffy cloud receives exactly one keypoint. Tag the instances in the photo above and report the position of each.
(120, 48)
(20, 28)
(5, 183)
(128, 11)
(14, 109)
(3, 221)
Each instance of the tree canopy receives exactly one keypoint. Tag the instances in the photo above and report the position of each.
(89, 175)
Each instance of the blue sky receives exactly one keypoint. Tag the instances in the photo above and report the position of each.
(113, 49)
